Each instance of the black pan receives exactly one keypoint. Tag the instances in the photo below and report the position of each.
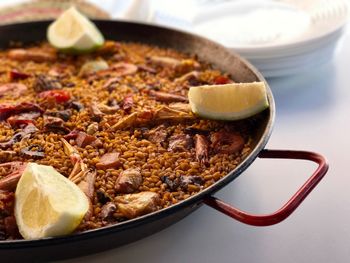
(112, 236)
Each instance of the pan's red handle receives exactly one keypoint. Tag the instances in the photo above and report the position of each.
(291, 205)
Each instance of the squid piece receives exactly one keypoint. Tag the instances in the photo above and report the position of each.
(201, 148)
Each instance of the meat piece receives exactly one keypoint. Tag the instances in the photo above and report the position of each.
(107, 211)
(111, 83)
(164, 61)
(133, 205)
(15, 75)
(23, 119)
(75, 105)
(14, 90)
(185, 180)
(147, 69)
(108, 161)
(7, 110)
(128, 181)
(62, 114)
(226, 142)
(128, 102)
(87, 184)
(96, 113)
(72, 135)
(55, 124)
(92, 128)
(181, 142)
(167, 97)
(83, 139)
(171, 184)
(36, 55)
(26, 132)
(157, 135)
(46, 82)
(202, 148)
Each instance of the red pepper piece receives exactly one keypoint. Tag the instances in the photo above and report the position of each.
(222, 80)
(60, 96)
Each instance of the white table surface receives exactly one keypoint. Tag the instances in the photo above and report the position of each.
(313, 113)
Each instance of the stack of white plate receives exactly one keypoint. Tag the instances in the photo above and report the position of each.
(279, 37)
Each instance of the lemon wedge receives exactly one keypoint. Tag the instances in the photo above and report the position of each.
(75, 33)
(232, 101)
(47, 204)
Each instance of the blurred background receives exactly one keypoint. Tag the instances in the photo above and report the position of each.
(280, 37)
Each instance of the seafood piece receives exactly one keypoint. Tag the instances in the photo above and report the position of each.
(157, 135)
(25, 133)
(23, 119)
(111, 83)
(15, 90)
(226, 142)
(15, 75)
(201, 148)
(105, 109)
(185, 180)
(33, 151)
(92, 128)
(46, 82)
(128, 103)
(147, 69)
(167, 97)
(55, 124)
(75, 105)
(115, 70)
(7, 110)
(63, 114)
(109, 48)
(180, 142)
(180, 66)
(128, 181)
(9, 181)
(83, 177)
(133, 205)
(91, 67)
(96, 113)
(191, 77)
(83, 139)
(107, 211)
(109, 160)
(36, 55)
(162, 113)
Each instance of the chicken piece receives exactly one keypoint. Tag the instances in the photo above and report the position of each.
(128, 181)
(109, 160)
(157, 135)
(180, 142)
(133, 205)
